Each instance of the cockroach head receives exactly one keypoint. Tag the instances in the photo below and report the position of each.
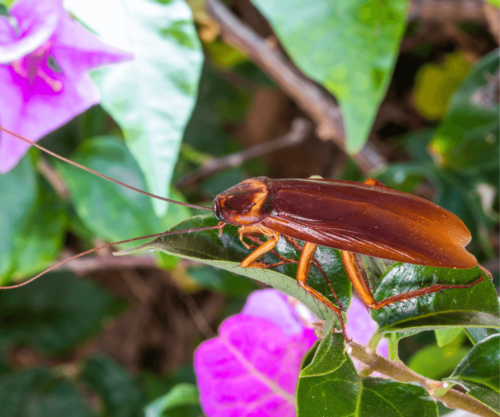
(246, 203)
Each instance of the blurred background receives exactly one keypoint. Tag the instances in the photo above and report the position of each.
(134, 322)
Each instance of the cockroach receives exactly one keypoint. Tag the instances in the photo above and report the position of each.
(369, 219)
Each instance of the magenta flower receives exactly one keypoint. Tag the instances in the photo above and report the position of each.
(251, 368)
(360, 326)
(44, 80)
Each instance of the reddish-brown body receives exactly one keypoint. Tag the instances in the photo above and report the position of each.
(366, 219)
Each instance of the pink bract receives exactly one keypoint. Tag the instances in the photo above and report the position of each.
(47, 82)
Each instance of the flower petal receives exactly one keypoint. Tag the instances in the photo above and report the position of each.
(273, 306)
(76, 49)
(360, 326)
(36, 22)
(39, 113)
(251, 369)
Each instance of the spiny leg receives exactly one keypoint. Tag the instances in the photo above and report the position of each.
(359, 283)
(297, 246)
(305, 262)
(283, 260)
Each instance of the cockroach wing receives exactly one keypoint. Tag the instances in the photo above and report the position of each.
(370, 220)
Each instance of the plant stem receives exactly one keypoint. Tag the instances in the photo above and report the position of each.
(399, 372)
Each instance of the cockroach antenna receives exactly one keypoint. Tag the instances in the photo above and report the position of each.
(107, 245)
(30, 142)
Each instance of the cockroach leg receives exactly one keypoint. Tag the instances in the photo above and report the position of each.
(250, 260)
(297, 246)
(486, 271)
(359, 283)
(305, 262)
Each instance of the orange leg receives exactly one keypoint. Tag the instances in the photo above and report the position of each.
(359, 283)
(305, 262)
(296, 245)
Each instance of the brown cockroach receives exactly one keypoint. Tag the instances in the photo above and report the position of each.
(369, 219)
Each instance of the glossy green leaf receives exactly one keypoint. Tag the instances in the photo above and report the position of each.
(469, 135)
(152, 96)
(330, 386)
(54, 313)
(348, 46)
(479, 372)
(465, 307)
(432, 363)
(120, 393)
(39, 392)
(181, 401)
(110, 211)
(42, 239)
(477, 334)
(227, 252)
(18, 192)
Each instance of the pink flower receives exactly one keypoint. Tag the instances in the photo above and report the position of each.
(44, 80)
(251, 368)
(360, 326)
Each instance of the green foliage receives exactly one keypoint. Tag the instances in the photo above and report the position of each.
(55, 313)
(112, 212)
(468, 138)
(227, 252)
(329, 385)
(221, 280)
(120, 393)
(479, 372)
(474, 307)
(181, 401)
(40, 392)
(348, 46)
(19, 189)
(432, 362)
(152, 97)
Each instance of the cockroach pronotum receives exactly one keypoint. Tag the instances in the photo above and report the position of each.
(369, 219)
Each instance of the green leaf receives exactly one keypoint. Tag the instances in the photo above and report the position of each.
(477, 334)
(110, 211)
(348, 46)
(221, 281)
(227, 252)
(330, 386)
(472, 307)
(39, 392)
(436, 83)
(469, 135)
(54, 313)
(42, 239)
(479, 372)
(119, 391)
(446, 336)
(152, 96)
(19, 188)
(181, 401)
(431, 362)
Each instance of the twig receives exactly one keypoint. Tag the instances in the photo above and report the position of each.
(315, 101)
(53, 178)
(447, 10)
(108, 262)
(399, 372)
(298, 133)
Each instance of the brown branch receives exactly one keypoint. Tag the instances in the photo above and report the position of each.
(298, 133)
(447, 10)
(308, 95)
(399, 372)
(108, 262)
